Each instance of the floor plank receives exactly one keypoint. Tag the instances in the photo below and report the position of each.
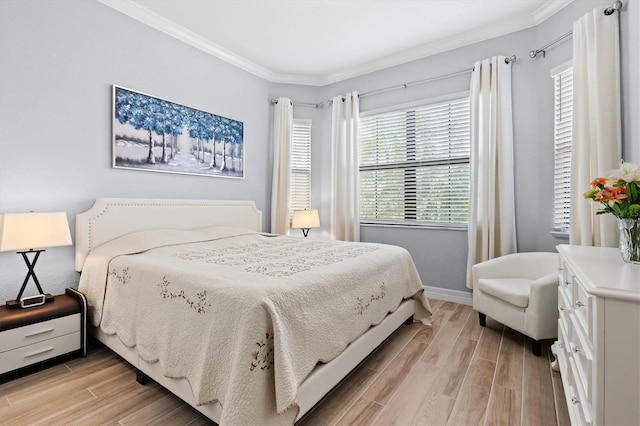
(454, 371)
(505, 407)
(435, 410)
(489, 344)
(510, 360)
(438, 351)
(330, 410)
(362, 413)
(403, 406)
(473, 398)
(472, 328)
(559, 397)
(538, 401)
(385, 385)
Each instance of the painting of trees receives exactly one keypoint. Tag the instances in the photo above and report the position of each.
(154, 134)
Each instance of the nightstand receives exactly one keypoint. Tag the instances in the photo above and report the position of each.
(34, 336)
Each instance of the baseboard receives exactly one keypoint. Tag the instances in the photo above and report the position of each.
(456, 296)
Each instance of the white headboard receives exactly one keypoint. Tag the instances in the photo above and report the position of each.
(110, 218)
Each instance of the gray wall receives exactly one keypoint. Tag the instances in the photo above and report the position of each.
(59, 60)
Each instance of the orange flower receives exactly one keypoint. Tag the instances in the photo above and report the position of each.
(618, 194)
(599, 182)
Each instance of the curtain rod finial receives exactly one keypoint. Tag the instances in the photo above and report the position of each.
(617, 5)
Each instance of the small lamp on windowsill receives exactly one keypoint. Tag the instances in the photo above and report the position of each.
(31, 233)
(305, 220)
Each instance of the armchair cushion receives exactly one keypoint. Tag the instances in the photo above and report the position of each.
(511, 290)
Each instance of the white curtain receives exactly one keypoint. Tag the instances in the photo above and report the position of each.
(491, 227)
(344, 168)
(282, 134)
(596, 145)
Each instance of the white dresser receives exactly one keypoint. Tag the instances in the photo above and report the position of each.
(598, 347)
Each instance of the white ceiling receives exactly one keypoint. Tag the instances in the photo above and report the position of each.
(318, 42)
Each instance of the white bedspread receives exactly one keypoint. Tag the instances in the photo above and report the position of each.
(244, 316)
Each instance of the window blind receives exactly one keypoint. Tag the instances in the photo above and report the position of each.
(301, 166)
(563, 135)
(414, 165)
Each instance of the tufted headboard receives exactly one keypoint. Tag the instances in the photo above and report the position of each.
(110, 218)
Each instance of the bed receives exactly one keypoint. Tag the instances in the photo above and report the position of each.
(196, 297)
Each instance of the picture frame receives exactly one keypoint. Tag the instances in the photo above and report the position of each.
(153, 134)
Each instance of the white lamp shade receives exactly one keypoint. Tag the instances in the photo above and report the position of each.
(305, 219)
(27, 231)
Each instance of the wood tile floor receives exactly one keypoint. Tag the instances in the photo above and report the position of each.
(454, 372)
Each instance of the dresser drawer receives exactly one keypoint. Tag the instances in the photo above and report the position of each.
(578, 399)
(561, 350)
(583, 357)
(34, 333)
(40, 351)
(566, 278)
(564, 307)
(582, 306)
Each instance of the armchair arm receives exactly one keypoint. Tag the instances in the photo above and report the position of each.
(541, 315)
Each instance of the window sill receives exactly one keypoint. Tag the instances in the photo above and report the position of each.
(421, 226)
(560, 234)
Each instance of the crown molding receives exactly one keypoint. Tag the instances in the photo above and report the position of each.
(440, 46)
(148, 17)
(550, 8)
(160, 23)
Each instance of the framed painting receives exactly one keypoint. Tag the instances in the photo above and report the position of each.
(149, 133)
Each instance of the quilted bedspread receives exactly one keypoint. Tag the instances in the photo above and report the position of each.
(244, 316)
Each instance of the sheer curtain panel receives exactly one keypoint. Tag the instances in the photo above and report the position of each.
(282, 134)
(491, 227)
(596, 122)
(344, 168)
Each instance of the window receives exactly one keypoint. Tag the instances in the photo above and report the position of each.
(301, 166)
(562, 136)
(414, 165)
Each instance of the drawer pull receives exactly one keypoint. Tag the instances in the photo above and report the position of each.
(575, 400)
(561, 345)
(562, 308)
(41, 351)
(579, 304)
(35, 333)
(577, 350)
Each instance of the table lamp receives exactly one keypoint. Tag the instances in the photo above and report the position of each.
(305, 220)
(31, 233)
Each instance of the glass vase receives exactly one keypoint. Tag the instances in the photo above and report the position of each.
(630, 240)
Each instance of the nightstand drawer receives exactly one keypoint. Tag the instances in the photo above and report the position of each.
(30, 334)
(30, 354)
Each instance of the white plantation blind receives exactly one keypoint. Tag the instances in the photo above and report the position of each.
(301, 166)
(414, 165)
(563, 135)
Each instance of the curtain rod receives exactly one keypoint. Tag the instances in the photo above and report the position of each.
(617, 5)
(508, 60)
(318, 105)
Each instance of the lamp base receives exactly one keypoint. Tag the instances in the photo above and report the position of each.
(14, 304)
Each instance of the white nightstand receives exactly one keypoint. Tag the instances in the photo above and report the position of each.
(32, 336)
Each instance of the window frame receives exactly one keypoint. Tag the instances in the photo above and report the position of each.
(306, 123)
(562, 148)
(457, 226)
